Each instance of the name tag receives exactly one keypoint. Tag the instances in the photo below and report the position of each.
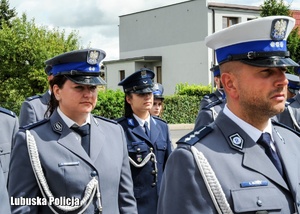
(69, 164)
(253, 183)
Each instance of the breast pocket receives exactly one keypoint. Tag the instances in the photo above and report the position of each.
(161, 151)
(256, 199)
(138, 151)
(5, 150)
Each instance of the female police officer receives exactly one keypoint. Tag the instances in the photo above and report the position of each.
(48, 162)
(148, 139)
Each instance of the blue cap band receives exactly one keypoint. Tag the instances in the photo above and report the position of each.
(77, 66)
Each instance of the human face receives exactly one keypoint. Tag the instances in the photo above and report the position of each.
(76, 100)
(260, 91)
(140, 103)
(156, 108)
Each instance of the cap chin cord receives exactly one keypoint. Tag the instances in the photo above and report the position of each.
(90, 191)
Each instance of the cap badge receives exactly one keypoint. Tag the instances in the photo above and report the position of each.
(93, 57)
(145, 82)
(236, 141)
(278, 29)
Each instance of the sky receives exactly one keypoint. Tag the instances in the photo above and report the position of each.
(96, 21)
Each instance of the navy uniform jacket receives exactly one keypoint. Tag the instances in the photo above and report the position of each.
(210, 106)
(294, 111)
(146, 188)
(34, 108)
(68, 168)
(234, 163)
(9, 127)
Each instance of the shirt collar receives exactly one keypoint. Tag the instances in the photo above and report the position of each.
(69, 121)
(141, 121)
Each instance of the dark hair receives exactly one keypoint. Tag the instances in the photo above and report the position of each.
(127, 106)
(53, 103)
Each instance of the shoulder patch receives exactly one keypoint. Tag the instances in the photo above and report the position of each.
(194, 136)
(158, 118)
(6, 111)
(106, 119)
(33, 97)
(285, 126)
(32, 125)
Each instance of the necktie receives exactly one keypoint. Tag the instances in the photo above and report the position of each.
(147, 131)
(265, 141)
(84, 132)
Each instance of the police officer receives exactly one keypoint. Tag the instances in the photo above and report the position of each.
(157, 107)
(9, 127)
(148, 139)
(211, 104)
(242, 162)
(34, 108)
(76, 161)
(291, 114)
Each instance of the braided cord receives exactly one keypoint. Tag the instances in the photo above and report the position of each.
(90, 190)
(212, 184)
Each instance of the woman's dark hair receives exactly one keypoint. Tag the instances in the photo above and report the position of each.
(53, 103)
(127, 106)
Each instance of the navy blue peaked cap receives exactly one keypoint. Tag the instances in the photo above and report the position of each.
(158, 91)
(140, 82)
(79, 66)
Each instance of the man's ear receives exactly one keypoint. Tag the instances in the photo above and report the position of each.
(229, 84)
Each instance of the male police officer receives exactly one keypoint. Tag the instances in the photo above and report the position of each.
(211, 104)
(9, 127)
(242, 162)
(34, 108)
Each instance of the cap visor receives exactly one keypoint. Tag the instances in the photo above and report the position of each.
(271, 62)
(86, 80)
(143, 91)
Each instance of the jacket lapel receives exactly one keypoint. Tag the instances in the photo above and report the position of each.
(138, 130)
(154, 130)
(97, 139)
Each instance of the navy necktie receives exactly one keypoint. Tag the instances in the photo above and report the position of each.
(265, 141)
(147, 131)
(84, 132)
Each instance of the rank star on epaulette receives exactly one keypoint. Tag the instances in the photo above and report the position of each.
(278, 29)
(93, 57)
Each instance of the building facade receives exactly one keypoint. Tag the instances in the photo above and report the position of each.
(170, 41)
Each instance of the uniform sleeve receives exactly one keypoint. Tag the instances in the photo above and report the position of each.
(21, 170)
(4, 201)
(127, 202)
(182, 189)
(27, 114)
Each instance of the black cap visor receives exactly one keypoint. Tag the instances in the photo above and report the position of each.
(271, 62)
(86, 80)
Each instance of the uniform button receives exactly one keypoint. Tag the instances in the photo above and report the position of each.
(153, 184)
(151, 149)
(152, 159)
(138, 149)
(94, 173)
(1, 150)
(259, 203)
(153, 172)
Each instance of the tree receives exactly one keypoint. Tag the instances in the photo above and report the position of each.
(6, 14)
(24, 47)
(278, 7)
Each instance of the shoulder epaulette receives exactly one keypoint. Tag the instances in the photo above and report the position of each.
(195, 135)
(158, 118)
(106, 119)
(285, 126)
(33, 97)
(212, 104)
(120, 119)
(6, 111)
(35, 124)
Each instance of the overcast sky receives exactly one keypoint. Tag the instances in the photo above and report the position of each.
(97, 20)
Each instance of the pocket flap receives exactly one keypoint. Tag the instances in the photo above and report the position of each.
(5, 148)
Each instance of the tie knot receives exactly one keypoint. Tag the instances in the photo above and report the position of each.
(146, 124)
(265, 140)
(82, 130)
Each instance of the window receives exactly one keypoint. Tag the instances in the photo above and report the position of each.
(158, 75)
(228, 21)
(122, 74)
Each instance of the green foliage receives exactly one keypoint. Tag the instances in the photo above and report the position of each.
(6, 14)
(110, 104)
(24, 47)
(274, 7)
(193, 90)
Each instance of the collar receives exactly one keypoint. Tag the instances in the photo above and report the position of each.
(141, 121)
(253, 132)
(69, 121)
